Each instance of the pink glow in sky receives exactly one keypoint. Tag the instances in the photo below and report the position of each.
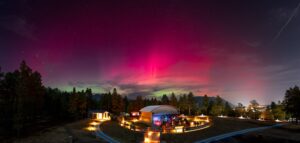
(151, 48)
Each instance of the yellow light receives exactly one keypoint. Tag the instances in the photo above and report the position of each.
(277, 120)
(147, 140)
(149, 133)
(192, 124)
(179, 129)
(90, 128)
(99, 116)
(94, 123)
(135, 120)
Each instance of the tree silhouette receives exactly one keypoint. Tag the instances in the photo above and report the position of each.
(190, 102)
(165, 100)
(291, 102)
(173, 100)
(277, 111)
(205, 104)
(218, 107)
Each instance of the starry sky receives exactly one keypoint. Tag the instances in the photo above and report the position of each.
(240, 50)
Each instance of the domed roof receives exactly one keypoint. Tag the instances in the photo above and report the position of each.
(160, 109)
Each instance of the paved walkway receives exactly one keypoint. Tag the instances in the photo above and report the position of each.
(231, 134)
(100, 134)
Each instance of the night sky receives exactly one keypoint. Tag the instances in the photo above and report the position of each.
(236, 49)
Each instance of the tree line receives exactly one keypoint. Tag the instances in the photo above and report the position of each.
(25, 103)
(186, 104)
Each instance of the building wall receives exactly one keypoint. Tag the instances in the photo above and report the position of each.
(146, 117)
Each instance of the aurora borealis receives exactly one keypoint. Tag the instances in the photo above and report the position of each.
(229, 48)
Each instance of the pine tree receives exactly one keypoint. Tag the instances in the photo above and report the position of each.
(173, 100)
(205, 104)
(126, 104)
(190, 102)
(291, 102)
(165, 100)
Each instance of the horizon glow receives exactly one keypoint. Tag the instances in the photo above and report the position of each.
(156, 48)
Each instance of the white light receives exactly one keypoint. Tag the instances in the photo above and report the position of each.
(277, 120)
(241, 117)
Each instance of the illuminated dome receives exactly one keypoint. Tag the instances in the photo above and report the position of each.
(160, 109)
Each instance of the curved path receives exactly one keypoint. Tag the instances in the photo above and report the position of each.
(102, 135)
(231, 134)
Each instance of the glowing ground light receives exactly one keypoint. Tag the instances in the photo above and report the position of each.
(151, 136)
(91, 128)
(134, 120)
(94, 123)
(192, 124)
(241, 117)
(201, 118)
(178, 129)
(222, 116)
(261, 119)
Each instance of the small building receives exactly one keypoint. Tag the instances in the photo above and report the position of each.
(135, 114)
(158, 114)
(99, 115)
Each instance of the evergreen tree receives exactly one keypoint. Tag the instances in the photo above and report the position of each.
(126, 104)
(117, 102)
(210, 106)
(240, 110)
(218, 107)
(291, 102)
(173, 100)
(183, 104)
(165, 100)
(278, 111)
(228, 110)
(139, 103)
(205, 104)
(191, 103)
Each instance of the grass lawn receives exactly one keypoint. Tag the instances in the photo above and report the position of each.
(219, 126)
(61, 134)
